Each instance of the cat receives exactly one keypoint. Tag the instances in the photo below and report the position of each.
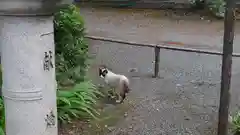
(117, 81)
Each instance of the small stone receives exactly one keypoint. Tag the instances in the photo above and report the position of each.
(106, 126)
(71, 132)
(133, 70)
(178, 85)
(118, 101)
(110, 128)
(187, 118)
(192, 81)
(125, 114)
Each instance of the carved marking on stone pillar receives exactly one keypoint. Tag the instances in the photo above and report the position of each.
(47, 63)
(32, 94)
(50, 119)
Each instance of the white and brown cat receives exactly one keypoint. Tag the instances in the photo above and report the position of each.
(117, 81)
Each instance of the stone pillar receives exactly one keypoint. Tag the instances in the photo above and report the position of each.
(28, 65)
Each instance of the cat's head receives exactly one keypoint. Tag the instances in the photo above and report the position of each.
(103, 71)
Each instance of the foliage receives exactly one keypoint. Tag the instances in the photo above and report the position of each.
(78, 102)
(71, 64)
(235, 122)
(194, 2)
(76, 96)
(217, 7)
(2, 118)
(197, 4)
(71, 46)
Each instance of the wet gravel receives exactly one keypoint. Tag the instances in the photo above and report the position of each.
(184, 100)
(153, 26)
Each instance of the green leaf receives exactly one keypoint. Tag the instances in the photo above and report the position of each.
(2, 131)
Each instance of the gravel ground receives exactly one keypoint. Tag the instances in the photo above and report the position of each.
(153, 26)
(183, 100)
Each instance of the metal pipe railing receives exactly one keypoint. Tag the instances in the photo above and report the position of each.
(158, 47)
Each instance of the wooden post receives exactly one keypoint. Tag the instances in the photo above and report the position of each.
(156, 63)
(226, 68)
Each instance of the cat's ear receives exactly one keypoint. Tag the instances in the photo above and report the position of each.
(99, 71)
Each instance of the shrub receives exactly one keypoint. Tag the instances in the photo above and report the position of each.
(217, 7)
(235, 122)
(76, 95)
(71, 46)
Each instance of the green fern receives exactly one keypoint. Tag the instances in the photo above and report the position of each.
(78, 102)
